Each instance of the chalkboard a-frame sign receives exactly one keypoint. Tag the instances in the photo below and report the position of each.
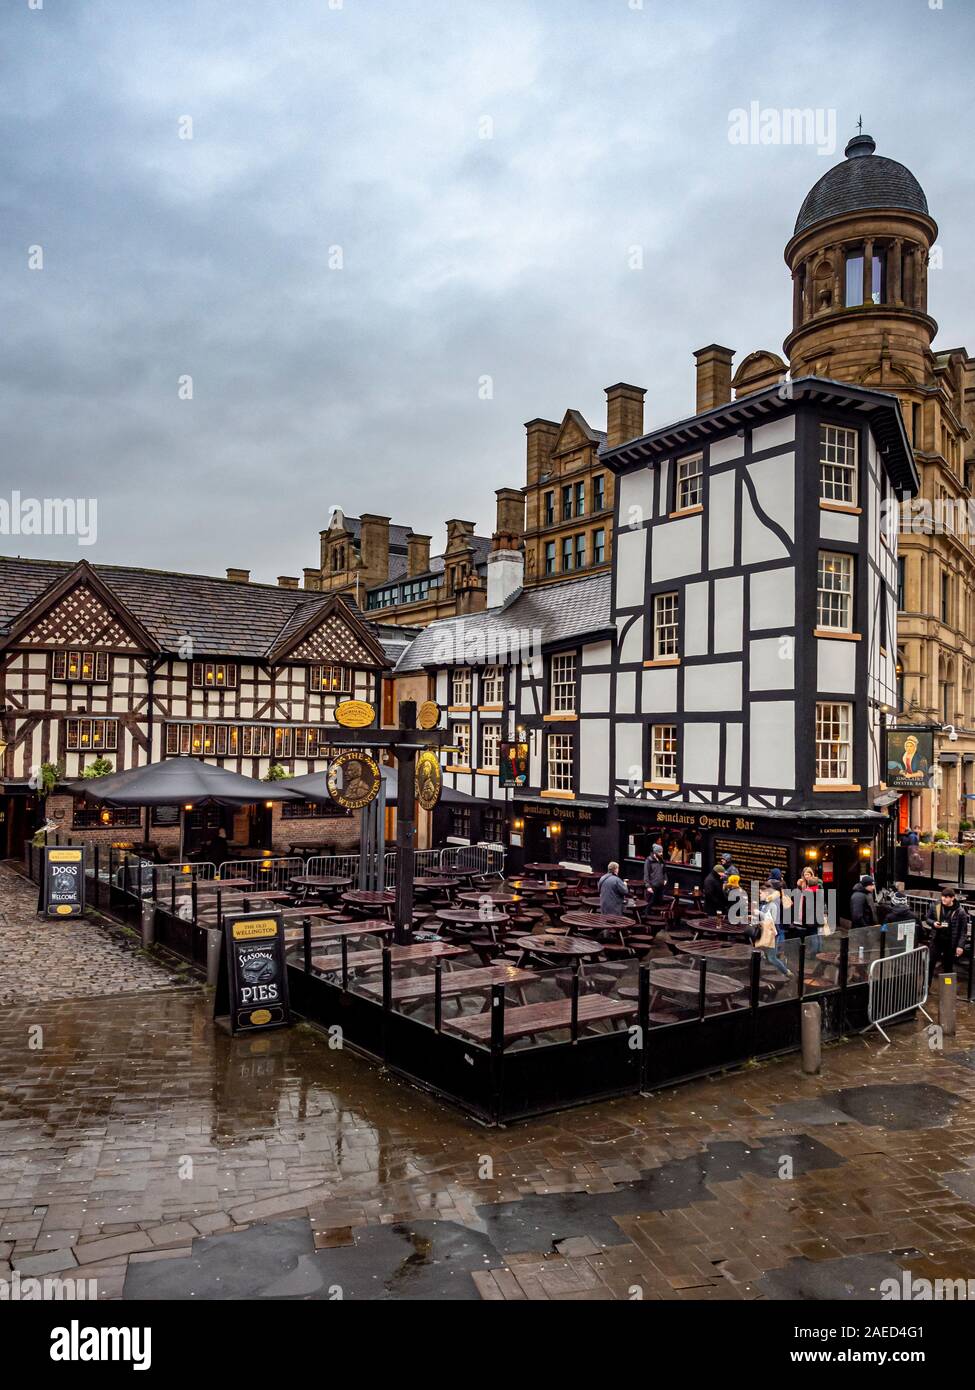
(252, 986)
(62, 882)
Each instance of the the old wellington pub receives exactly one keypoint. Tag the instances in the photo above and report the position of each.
(697, 633)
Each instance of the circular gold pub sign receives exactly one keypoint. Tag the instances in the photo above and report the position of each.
(429, 778)
(354, 779)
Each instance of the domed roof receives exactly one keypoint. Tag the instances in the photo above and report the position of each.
(863, 180)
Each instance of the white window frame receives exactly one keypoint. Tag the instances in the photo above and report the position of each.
(834, 743)
(689, 489)
(562, 684)
(460, 687)
(838, 465)
(491, 745)
(663, 754)
(666, 625)
(461, 734)
(834, 591)
(559, 751)
(492, 686)
(91, 735)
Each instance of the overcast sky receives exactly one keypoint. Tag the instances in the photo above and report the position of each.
(486, 168)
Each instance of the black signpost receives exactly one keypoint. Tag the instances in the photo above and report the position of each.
(62, 881)
(252, 985)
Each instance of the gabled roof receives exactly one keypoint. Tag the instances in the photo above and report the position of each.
(224, 618)
(328, 632)
(61, 606)
(545, 616)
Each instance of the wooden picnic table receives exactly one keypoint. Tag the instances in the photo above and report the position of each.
(599, 921)
(498, 899)
(298, 914)
(545, 870)
(338, 930)
(527, 1019)
(531, 886)
(717, 928)
(219, 885)
(434, 881)
(370, 897)
(320, 881)
(737, 952)
(676, 980)
(558, 947)
(456, 982)
(401, 955)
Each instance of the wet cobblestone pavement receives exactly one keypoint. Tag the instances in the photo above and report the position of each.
(144, 1148)
(44, 959)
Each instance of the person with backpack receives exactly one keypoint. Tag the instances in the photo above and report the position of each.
(947, 922)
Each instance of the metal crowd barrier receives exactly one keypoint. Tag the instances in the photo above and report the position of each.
(271, 874)
(898, 983)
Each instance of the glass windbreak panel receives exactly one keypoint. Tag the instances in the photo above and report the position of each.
(864, 949)
(779, 978)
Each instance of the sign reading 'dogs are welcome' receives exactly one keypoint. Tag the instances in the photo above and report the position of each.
(62, 882)
(253, 982)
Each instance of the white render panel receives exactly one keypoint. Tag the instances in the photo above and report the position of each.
(631, 646)
(732, 756)
(594, 757)
(660, 691)
(713, 686)
(675, 549)
(839, 526)
(772, 744)
(635, 492)
(597, 654)
(702, 745)
(631, 551)
(482, 787)
(836, 667)
(728, 621)
(774, 482)
(725, 450)
(774, 434)
(626, 692)
(629, 750)
(772, 664)
(595, 691)
(696, 619)
(721, 506)
(773, 598)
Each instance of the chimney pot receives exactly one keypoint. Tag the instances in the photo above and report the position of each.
(713, 375)
(624, 413)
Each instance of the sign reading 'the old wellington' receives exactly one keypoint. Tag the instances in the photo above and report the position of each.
(253, 983)
(62, 882)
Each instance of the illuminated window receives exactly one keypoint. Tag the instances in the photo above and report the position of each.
(663, 753)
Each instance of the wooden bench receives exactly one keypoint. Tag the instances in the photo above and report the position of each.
(524, 1020)
(402, 955)
(425, 986)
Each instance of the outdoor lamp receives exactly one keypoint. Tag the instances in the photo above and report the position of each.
(269, 804)
(812, 853)
(188, 806)
(864, 851)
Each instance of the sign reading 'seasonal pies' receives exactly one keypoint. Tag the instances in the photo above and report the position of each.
(429, 778)
(62, 882)
(354, 714)
(252, 987)
(353, 779)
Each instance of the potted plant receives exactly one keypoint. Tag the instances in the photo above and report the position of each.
(101, 767)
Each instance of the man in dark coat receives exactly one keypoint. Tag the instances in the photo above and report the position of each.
(948, 924)
(655, 875)
(863, 913)
(715, 897)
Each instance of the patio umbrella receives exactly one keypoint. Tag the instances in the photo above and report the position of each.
(183, 782)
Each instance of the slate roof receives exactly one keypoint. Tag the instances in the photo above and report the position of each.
(549, 614)
(863, 180)
(481, 546)
(225, 618)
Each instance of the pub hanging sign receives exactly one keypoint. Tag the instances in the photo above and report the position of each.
(62, 882)
(910, 759)
(253, 983)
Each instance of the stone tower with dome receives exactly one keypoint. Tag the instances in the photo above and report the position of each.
(860, 255)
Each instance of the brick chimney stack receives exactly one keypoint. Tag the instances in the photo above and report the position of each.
(287, 581)
(509, 532)
(239, 576)
(624, 413)
(713, 375)
(313, 579)
(417, 554)
(542, 435)
(374, 547)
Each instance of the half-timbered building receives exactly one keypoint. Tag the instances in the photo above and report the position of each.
(131, 666)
